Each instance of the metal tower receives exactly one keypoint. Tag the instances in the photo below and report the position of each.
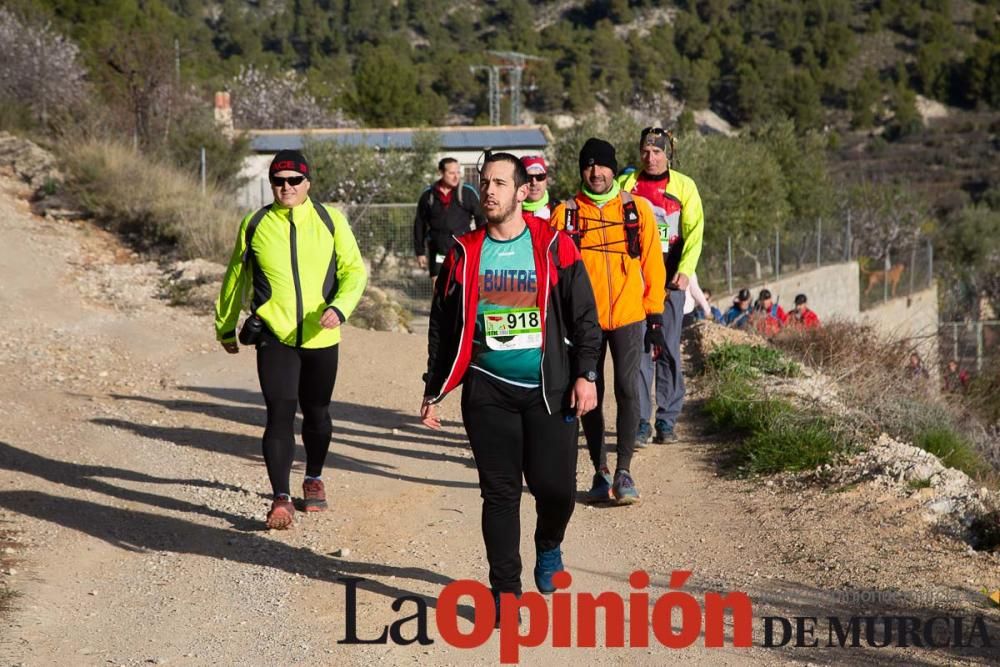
(513, 63)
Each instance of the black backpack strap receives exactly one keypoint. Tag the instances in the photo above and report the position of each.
(249, 232)
(324, 215)
(571, 220)
(631, 221)
(330, 283)
(471, 206)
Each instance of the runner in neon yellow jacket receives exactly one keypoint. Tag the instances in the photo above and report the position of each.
(302, 264)
(681, 223)
(292, 275)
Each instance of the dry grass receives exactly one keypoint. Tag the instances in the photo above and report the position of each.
(148, 202)
(872, 375)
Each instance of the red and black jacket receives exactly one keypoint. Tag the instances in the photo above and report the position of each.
(571, 336)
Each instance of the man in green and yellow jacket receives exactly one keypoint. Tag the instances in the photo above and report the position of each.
(301, 262)
(680, 221)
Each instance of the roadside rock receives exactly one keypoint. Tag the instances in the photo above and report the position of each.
(951, 500)
(378, 310)
(193, 283)
(28, 161)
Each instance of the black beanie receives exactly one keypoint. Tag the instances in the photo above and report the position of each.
(598, 151)
(289, 160)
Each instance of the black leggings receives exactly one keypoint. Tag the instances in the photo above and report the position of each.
(290, 377)
(626, 351)
(512, 433)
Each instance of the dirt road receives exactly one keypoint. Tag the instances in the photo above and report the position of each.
(133, 489)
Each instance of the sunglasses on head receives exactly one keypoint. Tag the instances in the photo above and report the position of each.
(654, 130)
(279, 181)
(537, 178)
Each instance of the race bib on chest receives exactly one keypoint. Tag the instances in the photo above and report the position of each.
(667, 224)
(513, 329)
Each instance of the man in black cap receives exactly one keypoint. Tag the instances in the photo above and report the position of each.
(738, 315)
(803, 316)
(616, 234)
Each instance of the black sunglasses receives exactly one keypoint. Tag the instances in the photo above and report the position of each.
(653, 130)
(537, 178)
(279, 181)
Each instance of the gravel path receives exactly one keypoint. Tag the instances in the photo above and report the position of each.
(132, 483)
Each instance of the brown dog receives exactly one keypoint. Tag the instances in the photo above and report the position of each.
(891, 276)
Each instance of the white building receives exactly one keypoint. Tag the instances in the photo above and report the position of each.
(464, 143)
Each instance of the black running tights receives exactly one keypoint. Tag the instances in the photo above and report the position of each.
(291, 377)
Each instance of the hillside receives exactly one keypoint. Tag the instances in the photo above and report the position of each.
(386, 62)
(950, 162)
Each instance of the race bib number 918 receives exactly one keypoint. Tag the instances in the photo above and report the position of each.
(513, 329)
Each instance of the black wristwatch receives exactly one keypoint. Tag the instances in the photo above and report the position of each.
(589, 376)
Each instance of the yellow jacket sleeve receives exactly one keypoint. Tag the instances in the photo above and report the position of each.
(692, 226)
(235, 283)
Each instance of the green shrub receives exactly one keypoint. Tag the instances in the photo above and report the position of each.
(954, 450)
(872, 373)
(750, 361)
(736, 406)
(776, 436)
(794, 445)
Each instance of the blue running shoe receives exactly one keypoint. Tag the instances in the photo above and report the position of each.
(664, 433)
(547, 563)
(600, 489)
(624, 488)
(643, 434)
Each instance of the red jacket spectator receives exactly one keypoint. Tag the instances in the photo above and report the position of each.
(802, 316)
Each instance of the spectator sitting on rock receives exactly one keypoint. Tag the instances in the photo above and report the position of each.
(738, 315)
(802, 315)
(716, 313)
(768, 317)
(916, 367)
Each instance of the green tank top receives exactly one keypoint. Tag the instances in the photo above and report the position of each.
(508, 340)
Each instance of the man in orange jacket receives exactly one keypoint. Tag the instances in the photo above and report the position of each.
(618, 240)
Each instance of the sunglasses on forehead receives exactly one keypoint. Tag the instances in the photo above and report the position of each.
(537, 178)
(654, 130)
(279, 181)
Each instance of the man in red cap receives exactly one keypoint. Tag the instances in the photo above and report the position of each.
(537, 207)
(446, 209)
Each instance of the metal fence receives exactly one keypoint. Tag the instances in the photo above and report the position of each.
(972, 344)
(730, 264)
(385, 237)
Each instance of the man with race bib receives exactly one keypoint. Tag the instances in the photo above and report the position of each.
(513, 321)
(680, 221)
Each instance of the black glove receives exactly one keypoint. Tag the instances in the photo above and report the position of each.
(654, 333)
